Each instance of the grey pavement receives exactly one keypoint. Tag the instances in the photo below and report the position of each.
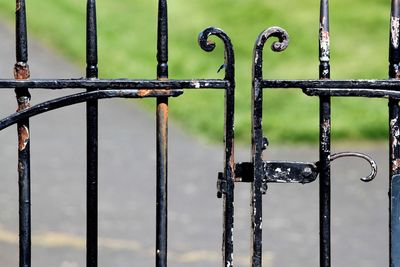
(127, 190)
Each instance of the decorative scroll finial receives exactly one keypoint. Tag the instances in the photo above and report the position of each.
(277, 46)
(208, 46)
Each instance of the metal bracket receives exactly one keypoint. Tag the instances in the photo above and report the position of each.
(278, 172)
(221, 185)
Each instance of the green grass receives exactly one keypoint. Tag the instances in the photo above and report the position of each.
(127, 48)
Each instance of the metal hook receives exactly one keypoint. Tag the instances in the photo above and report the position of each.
(374, 167)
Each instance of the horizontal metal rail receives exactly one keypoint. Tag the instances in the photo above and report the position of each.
(115, 84)
(344, 84)
(351, 88)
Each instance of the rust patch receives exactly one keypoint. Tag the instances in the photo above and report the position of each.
(395, 165)
(18, 7)
(163, 110)
(21, 71)
(23, 137)
(147, 92)
(23, 103)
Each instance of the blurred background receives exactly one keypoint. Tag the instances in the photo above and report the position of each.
(127, 49)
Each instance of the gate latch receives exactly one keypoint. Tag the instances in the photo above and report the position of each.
(294, 172)
(278, 172)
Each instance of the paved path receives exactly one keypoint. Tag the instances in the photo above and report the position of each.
(127, 191)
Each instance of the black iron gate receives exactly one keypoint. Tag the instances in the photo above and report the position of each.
(258, 172)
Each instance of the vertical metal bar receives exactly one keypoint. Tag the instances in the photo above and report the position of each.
(225, 182)
(325, 140)
(258, 142)
(394, 139)
(21, 71)
(229, 155)
(92, 140)
(257, 148)
(256, 151)
(162, 139)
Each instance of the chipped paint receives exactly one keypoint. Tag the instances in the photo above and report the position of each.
(395, 135)
(394, 31)
(21, 71)
(18, 6)
(23, 103)
(195, 84)
(324, 45)
(394, 128)
(326, 129)
(256, 58)
(23, 137)
(395, 165)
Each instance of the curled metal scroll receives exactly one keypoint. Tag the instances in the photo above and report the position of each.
(208, 46)
(374, 167)
(275, 31)
(277, 46)
(229, 65)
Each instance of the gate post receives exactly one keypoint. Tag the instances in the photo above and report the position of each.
(324, 141)
(394, 138)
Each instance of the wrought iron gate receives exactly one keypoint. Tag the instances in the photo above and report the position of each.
(258, 172)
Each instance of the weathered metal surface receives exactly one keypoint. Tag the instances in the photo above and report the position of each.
(21, 72)
(394, 134)
(337, 84)
(257, 141)
(226, 179)
(258, 172)
(115, 84)
(162, 88)
(279, 172)
(293, 172)
(162, 140)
